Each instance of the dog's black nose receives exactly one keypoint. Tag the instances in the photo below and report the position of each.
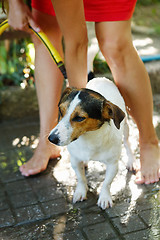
(54, 139)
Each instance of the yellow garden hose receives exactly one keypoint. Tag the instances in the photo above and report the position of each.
(53, 52)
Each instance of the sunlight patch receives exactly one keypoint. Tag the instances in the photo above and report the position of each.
(26, 141)
(15, 142)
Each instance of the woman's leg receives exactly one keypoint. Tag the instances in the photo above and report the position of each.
(70, 17)
(48, 85)
(133, 82)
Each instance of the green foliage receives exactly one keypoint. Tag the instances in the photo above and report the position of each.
(157, 29)
(147, 2)
(100, 66)
(15, 63)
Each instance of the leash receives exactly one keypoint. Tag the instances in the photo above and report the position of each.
(44, 39)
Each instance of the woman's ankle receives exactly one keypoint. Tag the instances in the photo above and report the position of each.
(151, 139)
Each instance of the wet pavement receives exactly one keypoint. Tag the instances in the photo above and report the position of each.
(40, 207)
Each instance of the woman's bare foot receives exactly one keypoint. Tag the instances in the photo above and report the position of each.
(149, 171)
(40, 159)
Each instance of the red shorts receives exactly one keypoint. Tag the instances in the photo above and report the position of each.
(95, 10)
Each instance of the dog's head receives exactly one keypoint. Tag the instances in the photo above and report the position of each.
(82, 111)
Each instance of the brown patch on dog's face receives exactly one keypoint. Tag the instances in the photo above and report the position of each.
(68, 95)
(63, 108)
(82, 123)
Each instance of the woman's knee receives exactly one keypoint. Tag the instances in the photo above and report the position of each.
(115, 50)
(75, 43)
(115, 40)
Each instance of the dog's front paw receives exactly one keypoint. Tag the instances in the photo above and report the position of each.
(131, 164)
(104, 200)
(80, 194)
(130, 167)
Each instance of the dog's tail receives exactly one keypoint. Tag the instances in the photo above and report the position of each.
(92, 51)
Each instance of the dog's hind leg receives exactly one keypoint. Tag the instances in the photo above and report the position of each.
(129, 152)
(105, 199)
(81, 190)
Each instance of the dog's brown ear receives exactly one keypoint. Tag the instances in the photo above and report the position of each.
(111, 111)
(65, 94)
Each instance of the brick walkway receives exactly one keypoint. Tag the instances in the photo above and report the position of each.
(40, 207)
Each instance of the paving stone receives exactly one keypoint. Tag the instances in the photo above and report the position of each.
(140, 235)
(55, 207)
(100, 231)
(41, 181)
(91, 218)
(28, 214)
(128, 224)
(1, 191)
(46, 230)
(17, 233)
(23, 199)
(6, 218)
(10, 176)
(34, 231)
(15, 129)
(72, 219)
(152, 219)
(143, 204)
(152, 189)
(154, 233)
(78, 218)
(3, 160)
(20, 186)
(118, 209)
(3, 203)
(10, 158)
(48, 193)
(146, 216)
(75, 235)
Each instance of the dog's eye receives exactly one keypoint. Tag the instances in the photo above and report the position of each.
(78, 119)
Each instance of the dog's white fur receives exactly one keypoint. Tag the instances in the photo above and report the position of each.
(103, 144)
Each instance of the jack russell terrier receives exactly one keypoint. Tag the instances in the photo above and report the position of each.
(92, 125)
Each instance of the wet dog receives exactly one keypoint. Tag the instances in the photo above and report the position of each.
(92, 125)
